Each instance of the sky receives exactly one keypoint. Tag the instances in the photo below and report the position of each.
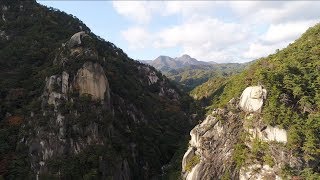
(220, 31)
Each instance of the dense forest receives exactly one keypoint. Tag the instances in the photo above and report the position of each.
(192, 76)
(140, 130)
(142, 127)
(292, 79)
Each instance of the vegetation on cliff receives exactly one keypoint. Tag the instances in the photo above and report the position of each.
(32, 39)
(292, 78)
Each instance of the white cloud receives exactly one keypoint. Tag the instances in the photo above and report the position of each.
(139, 11)
(257, 50)
(277, 36)
(286, 32)
(208, 31)
(275, 11)
(206, 39)
(250, 30)
(186, 8)
(137, 37)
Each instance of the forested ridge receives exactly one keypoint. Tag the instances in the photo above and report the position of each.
(292, 79)
(143, 125)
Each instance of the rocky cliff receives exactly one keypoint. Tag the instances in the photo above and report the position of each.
(278, 122)
(78, 111)
(61, 134)
(74, 106)
(234, 143)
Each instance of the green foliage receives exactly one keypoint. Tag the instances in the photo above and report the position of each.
(192, 162)
(173, 169)
(258, 148)
(83, 165)
(155, 124)
(309, 174)
(226, 175)
(192, 76)
(240, 154)
(311, 145)
(268, 160)
(206, 89)
(291, 77)
(286, 172)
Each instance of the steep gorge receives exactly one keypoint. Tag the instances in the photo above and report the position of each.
(74, 106)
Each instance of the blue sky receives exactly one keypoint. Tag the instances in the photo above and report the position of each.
(221, 31)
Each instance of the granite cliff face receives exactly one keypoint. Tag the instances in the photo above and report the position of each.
(211, 147)
(234, 143)
(80, 112)
(52, 132)
(77, 106)
(91, 79)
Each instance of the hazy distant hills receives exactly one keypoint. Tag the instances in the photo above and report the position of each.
(166, 63)
(189, 72)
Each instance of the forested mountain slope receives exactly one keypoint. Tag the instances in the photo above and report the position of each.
(74, 106)
(264, 122)
(189, 73)
(192, 77)
(166, 63)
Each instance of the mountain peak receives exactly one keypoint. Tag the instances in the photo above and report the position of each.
(185, 56)
(166, 63)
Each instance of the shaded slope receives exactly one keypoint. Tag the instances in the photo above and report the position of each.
(141, 126)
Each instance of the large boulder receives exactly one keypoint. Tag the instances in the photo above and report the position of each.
(91, 79)
(198, 131)
(76, 39)
(264, 172)
(269, 133)
(252, 98)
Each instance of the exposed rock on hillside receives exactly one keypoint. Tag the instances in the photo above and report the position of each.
(99, 109)
(91, 79)
(54, 138)
(237, 134)
(76, 39)
(252, 98)
(212, 143)
(269, 133)
(88, 111)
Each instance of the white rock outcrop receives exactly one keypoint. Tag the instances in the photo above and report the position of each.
(252, 98)
(51, 81)
(198, 131)
(153, 78)
(65, 82)
(53, 98)
(265, 172)
(187, 157)
(91, 79)
(194, 174)
(270, 134)
(76, 39)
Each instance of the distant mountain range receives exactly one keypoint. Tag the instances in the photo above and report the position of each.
(166, 63)
(189, 72)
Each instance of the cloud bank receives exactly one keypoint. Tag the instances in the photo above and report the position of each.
(231, 31)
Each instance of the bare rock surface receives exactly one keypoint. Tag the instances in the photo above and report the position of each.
(213, 142)
(91, 79)
(252, 98)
